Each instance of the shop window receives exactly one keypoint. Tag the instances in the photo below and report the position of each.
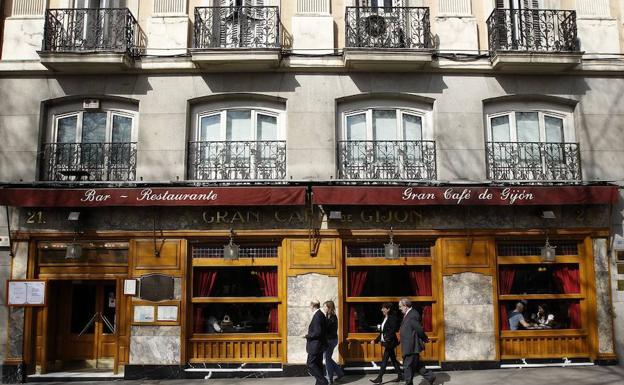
(235, 296)
(372, 280)
(548, 295)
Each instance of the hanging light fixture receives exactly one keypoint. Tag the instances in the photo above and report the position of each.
(548, 252)
(391, 250)
(231, 250)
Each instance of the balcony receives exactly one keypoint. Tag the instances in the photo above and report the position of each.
(533, 161)
(90, 38)
(236, 38)
(237, 160)
(387, 160)
(95, 162)
(379, 37)
(533, 39)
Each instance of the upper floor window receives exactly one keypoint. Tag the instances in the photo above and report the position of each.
(238, 143)
(525, 143)
(386, 142)
(97, 143)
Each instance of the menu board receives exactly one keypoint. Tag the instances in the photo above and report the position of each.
(167, 313)
(26, 293)
(144, 313)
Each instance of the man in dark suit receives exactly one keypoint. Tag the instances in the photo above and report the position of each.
(388, 338)
(413, 340)
(316, 343)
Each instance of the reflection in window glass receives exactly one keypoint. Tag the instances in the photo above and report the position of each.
(267, 127)
(554, 129)
(384, 125)
(236, 318)
(527, 124)
(94, 127)
(210, 126)
(412, 127)
(67, 129)
(122, 129)
(500, 129)
(356, 127)
(239, 125)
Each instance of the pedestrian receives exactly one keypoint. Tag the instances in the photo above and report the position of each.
(388, 338)
(413, 339)
(316, 343)
(332, 340)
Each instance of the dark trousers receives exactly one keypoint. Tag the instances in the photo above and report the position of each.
(315, 367)
(389, 354)
(412, 365)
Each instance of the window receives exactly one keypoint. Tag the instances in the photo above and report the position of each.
(372, 280)
(387, 143)
(91, 144)
(532, 144)
(238, 144)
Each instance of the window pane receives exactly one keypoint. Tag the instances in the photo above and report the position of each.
(356, 127)
(267, 127)
(554, 129)
(209, 128)
(239, 125)
(500, 129)
(122, 129)
(384, 125)
(528, 126)
(412, 127)
(66, 132)
(94, 127)
(235, 318)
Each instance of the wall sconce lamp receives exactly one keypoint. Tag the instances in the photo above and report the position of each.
(391, 250)
(548, 252)
(74, 216)
(335, 215)
(548, 214)
(74, 250)
(231, 250)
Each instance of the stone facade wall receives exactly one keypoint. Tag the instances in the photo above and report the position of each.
(469, 317)
(301, 290)
(155, 345)
(16, 314)
(603, 299)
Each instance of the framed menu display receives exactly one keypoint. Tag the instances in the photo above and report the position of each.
(26, 293)
(168, 313)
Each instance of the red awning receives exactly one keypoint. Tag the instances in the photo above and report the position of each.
(153, 196)
(460, 195)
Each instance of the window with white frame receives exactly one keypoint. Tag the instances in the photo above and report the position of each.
(387, 143)
(97, 144)
(532, 144)
(238, 143)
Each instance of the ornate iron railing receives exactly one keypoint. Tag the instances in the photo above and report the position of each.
(237, 160)
(387, 159)
(533, 30)
(236, 27)
(388, 27)
(90, 30)
(89, 161)
(531, 161)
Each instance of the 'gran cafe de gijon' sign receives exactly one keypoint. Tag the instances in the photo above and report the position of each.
(296, 196)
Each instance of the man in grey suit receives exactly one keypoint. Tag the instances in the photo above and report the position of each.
(413, 340)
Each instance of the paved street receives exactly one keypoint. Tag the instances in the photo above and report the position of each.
(603, 375)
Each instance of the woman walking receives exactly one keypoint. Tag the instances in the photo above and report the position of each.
(332, 341)
(387, 336)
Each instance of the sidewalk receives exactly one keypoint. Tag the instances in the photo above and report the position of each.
(599, 375)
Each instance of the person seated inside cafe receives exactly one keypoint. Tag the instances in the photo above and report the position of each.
(516, 318)
(543, 319)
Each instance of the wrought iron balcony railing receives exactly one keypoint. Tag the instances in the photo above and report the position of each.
(532, 30)
(237, 160)
(387, 159)
(388, 27)
(89, 161)
(236, 27)
(90, 30)
(533, 161)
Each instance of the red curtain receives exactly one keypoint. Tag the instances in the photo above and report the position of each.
(267, 278)
(506, 276)
(427, 318)
(567, 276)
(574, 313)
(357, 279)
(273, 320)
(421, 281)
(204, 283)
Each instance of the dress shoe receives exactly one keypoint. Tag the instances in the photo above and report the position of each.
(338, 378)
(430, 382)
(377, 380)
(398, 379)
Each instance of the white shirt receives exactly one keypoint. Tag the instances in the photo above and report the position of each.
(382, 325)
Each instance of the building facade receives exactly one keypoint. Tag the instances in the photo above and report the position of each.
(185, 176)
